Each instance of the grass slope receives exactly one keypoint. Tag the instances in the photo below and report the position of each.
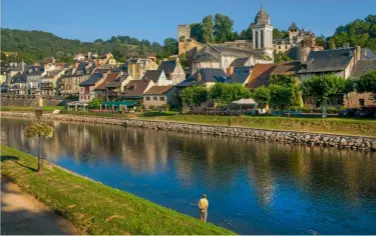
(94, 207)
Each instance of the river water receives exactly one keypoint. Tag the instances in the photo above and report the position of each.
(254, 187)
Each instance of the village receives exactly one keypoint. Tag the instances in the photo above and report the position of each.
(154, 83)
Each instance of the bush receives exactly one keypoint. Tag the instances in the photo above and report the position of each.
(166, 107)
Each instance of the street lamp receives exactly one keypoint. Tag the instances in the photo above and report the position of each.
(38, 112)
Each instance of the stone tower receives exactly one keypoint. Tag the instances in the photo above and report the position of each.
(293, 34)
(262, 32)
(184, 33)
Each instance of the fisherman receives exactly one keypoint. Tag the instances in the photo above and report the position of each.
(203, 204)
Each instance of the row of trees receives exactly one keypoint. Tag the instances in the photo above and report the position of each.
(33, 46)
(283, 92)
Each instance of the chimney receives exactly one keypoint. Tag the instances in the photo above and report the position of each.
(346, 45)
(357, 53)
(22, 66)
(365, 52)
(177, 60)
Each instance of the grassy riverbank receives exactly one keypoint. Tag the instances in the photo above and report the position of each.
(31, 109)
(345, 126)
(94, 207)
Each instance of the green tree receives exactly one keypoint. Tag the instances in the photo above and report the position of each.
(288, 81)
(261, 95)
(281, 57)
(194, 96)
(246, 34)
(224, 93)
(170, 47)
(197, 32)
(42, 131)
(223, 28)
(367, 83)
(320, 41)
(95, 103)
(207, 29)
(321, 87)
(281, 97)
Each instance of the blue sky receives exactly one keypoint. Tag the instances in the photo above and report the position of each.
(155, 20)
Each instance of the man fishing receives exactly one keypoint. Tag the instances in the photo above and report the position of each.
(203, 204)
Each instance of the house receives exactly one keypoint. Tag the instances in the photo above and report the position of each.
(158, 77)
(101, 90)
(335, 61)
(173, 70)
(260, 75)
(87, 87)
(206, 77)
(69, 85)
(27, 81)
(225, 58)
(49, 82)
(137, 67)
(135, 89)
(79, 57)
(160, 95)
(354, 99)
(116, 87)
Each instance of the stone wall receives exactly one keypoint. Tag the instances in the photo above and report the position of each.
(312, 139)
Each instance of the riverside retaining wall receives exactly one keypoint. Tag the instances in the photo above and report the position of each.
(313, 139)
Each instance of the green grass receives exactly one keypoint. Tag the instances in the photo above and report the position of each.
(365, 127)
(93, 207)
(31, 109)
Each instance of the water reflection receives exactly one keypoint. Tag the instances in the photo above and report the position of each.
(254, 187)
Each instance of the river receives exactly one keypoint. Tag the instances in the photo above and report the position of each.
(254, 187)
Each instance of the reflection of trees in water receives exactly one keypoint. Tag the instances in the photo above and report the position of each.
(215, 161)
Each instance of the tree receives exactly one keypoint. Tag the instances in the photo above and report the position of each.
(280, 34)
(261, 95)
(320, 41)
(197, 32)
(224, 93)
(367, 83)
(194, 96)
(246, 34)
(95, 103)
(207, 29)
(223, 28)
(281, 57)
(170, 47)
(288, 81)
(281, 97)
(321, 87)
(39, 130)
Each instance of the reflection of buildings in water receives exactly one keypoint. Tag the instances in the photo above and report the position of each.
(260, 173)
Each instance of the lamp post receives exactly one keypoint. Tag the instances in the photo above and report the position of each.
(39, 113)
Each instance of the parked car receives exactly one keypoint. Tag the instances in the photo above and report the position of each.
(369, 111)
(348, 112)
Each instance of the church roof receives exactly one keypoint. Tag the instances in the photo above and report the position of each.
(293, 26)
(262, 17)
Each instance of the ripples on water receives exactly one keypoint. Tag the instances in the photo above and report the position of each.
(254, 187)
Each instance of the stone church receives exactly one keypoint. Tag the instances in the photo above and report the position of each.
(227, 55)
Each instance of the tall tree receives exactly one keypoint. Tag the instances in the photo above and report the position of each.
(207, 29)
(224, 93)
(223, 28)
(261, 95)
(194, 96)
(197, 32)
(367, 83)
(170, 47)
(321, 87)
(281, 97)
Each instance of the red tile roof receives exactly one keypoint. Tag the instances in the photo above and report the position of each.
(286, 68)
(260, 75)
(159, 89)
(111, 77)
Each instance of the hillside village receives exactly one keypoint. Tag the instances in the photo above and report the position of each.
(150, 82)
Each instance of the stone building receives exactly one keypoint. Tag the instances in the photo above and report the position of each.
(160, 95)
(137, 67)
(173, 70)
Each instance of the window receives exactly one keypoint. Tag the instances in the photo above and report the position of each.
(279, 47)
(361, 102)
(286, 47)
(162, 98)
(147, 98)
(82, 97)
(262, 39)
(155, 98)
(257, 40)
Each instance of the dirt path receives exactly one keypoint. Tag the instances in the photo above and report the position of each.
(21, 213)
